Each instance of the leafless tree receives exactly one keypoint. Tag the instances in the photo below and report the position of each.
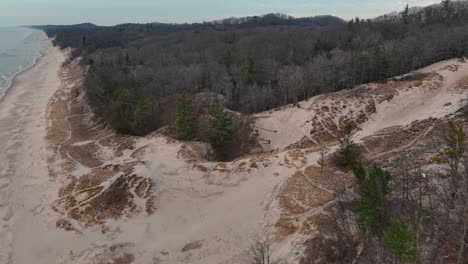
(260, 252)
(323, 154)
(452, 153)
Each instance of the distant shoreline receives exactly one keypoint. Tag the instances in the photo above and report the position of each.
(44, 52)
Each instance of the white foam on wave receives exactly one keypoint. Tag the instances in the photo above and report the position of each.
(26, 56)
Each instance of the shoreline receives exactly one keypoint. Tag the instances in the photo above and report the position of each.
(42, 53)
(23, 160)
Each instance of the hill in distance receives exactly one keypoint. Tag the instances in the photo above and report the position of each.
(272, 19)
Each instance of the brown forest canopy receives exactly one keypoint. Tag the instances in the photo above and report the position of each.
(258, 63)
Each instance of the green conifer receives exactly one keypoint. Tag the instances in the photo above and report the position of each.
(220, 126)
(372, 189)
(184, 118)
(401, 240)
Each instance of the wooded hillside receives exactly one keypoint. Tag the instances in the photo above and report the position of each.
(257, 63)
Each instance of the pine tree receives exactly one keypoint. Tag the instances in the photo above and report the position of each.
(351, 24)
(383, 65)
(401, 240)
(406, 14)
(446, 4)
(142, 115)
(184, 118)
(372, 191)
(349, 153)
(220, 126)
(123, 112)
(127, 58)
(248, 71)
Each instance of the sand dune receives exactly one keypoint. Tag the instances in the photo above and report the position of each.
(73, 191)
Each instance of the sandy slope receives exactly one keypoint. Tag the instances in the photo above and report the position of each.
(72, 191)
(198, 211)
(373, 107)
(25, 187)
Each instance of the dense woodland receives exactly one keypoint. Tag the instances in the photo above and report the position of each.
(257, 63)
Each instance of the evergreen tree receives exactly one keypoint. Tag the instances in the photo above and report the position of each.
(401, 240)
(372, 190)
(383, 65)
(248, 71)
(104, 95)
(220, 126)
(360, 173)
(142, 115)
(349, 153)
(121, 119)
(127, 58)
(184, 118)
(405, 14)
(447, 8)
(446, 4)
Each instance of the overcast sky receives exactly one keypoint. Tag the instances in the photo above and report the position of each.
(111, 12)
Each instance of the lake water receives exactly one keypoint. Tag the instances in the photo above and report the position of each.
(19, 50)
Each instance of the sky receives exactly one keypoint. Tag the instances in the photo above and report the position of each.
(111, 12)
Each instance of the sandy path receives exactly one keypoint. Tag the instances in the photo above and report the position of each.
(24, 177)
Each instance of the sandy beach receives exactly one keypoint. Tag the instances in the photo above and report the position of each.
(23, 159)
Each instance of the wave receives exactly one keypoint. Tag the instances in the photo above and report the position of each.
(5, 55)
(20, 52)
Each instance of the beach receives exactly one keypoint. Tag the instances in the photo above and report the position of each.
(24, 178)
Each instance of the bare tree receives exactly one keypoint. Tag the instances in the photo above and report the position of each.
(336, 242)
(260, 252)
(452, 152)
(323, 154)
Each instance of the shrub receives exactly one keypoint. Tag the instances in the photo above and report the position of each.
(401, 240)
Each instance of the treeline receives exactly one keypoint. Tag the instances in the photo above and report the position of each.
(259, 63)
(414, 212)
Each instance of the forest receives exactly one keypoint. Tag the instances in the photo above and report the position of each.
(255, 63)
